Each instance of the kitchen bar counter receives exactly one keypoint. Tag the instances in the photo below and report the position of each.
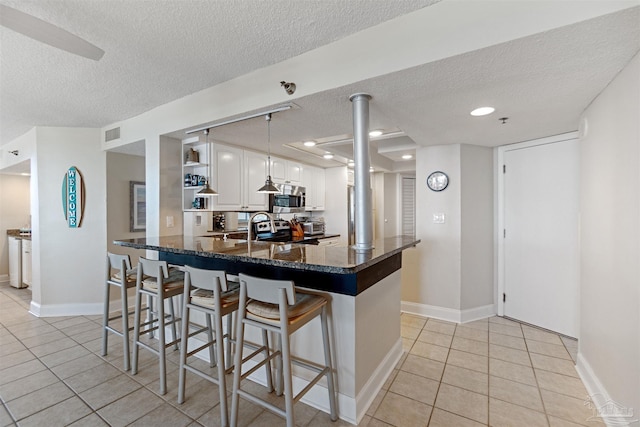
(364, 290)
(337, 269)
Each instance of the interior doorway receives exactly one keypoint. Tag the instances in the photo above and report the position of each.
(539, 219)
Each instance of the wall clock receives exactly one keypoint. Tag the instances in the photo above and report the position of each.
(437, 181)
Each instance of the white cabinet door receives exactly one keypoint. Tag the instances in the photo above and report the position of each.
(227, 178)
(278, 170)
(15, 262)
(294, 173)
(26, 262)
(255, 173)
(314, 183)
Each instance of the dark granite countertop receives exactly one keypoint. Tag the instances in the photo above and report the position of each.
(298, 256)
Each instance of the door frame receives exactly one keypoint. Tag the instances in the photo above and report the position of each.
(501, 199)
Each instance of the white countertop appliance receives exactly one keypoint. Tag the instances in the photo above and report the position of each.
(313, 228)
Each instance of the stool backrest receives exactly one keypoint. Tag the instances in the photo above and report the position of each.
(115, 261)
(153, 268)
(267, 290)
(205, 279)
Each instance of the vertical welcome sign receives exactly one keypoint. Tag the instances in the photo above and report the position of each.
(73, 197)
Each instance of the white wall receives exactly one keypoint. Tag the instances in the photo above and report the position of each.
(68, 264)
(609, 355)
(476, 167)
(440, 251)
(14, 212)
(449, 275)
(121, 169)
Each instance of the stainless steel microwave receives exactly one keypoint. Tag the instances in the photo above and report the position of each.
(291, 199)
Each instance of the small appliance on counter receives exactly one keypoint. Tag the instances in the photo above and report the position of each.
(312, 228)
(263, 230)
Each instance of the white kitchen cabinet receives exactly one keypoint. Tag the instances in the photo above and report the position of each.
(314, 183)
(191, 168)
(286, 171)
(15, 262)
(26, 262)
(237, 175)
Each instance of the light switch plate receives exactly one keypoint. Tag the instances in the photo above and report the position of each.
(169, 221)
(438, 218)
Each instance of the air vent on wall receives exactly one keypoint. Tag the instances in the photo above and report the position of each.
(112, 134)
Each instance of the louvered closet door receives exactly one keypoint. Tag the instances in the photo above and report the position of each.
(409, 206)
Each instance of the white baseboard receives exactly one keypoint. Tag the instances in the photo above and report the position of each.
(56, 310)
(449, 314)
(4, 279)
(604, 408)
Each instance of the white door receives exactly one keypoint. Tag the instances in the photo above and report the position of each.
(541, 252)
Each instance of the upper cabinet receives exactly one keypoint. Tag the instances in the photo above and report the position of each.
(195, 172)
(314, 183)
(237, 175)
(286, 171)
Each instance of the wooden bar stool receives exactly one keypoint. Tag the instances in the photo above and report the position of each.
(156, 280)
(121, 263)
(277, 306)
(208, 292)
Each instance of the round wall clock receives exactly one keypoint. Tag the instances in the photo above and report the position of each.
(437, 181)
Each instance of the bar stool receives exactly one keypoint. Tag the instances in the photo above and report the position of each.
(277, 306)
(123, 264)
(208, 292)
(156, 280)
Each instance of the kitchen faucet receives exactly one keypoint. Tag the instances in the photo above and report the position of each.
(250, 227)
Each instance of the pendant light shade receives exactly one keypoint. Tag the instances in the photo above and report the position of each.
(207, 191)
(268, 187)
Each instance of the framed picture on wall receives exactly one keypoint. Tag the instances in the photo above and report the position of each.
(137, 206)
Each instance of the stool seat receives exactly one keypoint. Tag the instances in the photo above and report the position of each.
(175, 280)
(205, 297)
(267, 312)
(130, 276)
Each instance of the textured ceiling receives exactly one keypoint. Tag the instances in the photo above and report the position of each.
(161, 51)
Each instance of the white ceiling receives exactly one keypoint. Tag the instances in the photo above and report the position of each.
(161, 51)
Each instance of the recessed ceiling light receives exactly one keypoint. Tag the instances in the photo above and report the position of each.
(328, 156)
(482, 111)
(309, 143)
(351, 163)
(407, 156)
(375, 133)
(371, 169)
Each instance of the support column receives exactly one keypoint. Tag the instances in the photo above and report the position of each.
(362, 159)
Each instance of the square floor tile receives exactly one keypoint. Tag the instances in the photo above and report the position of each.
(26, 385)
(509, 354)
(540, 335)
(472, 333)
(548, 349)
(130, 407)
(436, 338)
(430, 351)
(466, 378)
(503, 414)
(512, 371)
(63, 413)
(441, 327)
(516, 393)
(559, 383)
(416, 387)
(468, 360)
(513, 331)
(109, 391)
(165, 415)
(424, 367)
(401, 411)
(38, 400)
(22, 370)
(463, 402)
(570, 408)
(470, 346)
(554, 364)
(440, 418)
(507, 341)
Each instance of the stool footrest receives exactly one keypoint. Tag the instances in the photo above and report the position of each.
(250, 397)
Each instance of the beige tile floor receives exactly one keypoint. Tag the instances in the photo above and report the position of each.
(490, 372)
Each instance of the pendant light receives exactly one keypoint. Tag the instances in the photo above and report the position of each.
(207, 191)
(268, 187)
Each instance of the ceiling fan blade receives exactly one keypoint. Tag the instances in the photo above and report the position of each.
(45, 32)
